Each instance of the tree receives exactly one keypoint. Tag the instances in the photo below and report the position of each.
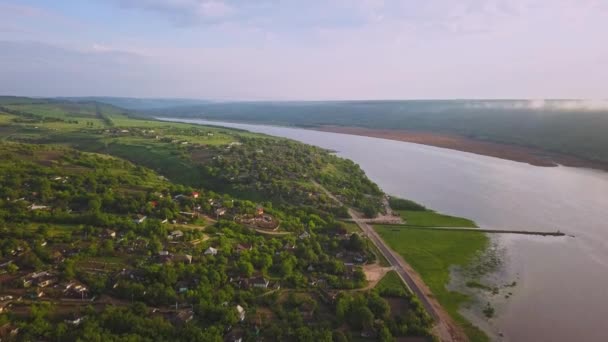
(338, 336)
(361, 317)
(356, 243)
(12, 268)
(246, 268)
(68, 269)
(384, 334)
(378, 306)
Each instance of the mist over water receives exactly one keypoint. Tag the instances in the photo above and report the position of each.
(561, 292)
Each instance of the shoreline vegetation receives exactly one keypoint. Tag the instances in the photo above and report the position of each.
(432, 253)
(530, 155)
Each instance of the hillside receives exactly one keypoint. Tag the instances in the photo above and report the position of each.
(115, 228)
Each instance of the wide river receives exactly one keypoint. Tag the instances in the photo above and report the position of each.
(562, 283)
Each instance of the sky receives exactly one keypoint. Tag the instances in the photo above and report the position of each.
(305, 49)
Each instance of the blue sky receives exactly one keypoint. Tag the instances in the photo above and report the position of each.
(305, 50)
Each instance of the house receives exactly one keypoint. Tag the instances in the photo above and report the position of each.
(182, 317)
(139, 219)
(75, 290)
(109, 234)
(241, 312)
(241, 247)
(260, 282)
(358, 258)
(235, 335)
(259, 210)
(42, 279)
(37, 207)
(175, 235)
(220, 211)
(182, 286)
(211, 251)
(8, 332)
(195, 194)
(186, 258)
(47, 281)
(76, 321)
(36, 294)
(189, 214)
(304, 235)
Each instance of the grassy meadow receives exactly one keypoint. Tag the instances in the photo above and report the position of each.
(392, 283)
(431, 253)
(429, 218)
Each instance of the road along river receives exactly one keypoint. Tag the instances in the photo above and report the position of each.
(562, 282)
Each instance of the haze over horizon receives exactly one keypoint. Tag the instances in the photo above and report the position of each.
(313, 50)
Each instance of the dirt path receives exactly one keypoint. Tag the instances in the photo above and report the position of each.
(446, 329)
(374, 273)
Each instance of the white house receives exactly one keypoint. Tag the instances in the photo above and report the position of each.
(304, 235)
(211, 251)
(140, 219)
(241, 312)
(260, 282)
(176, 234)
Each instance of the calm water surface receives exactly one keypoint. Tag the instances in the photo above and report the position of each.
(562, 283)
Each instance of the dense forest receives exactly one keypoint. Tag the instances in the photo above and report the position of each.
(114, 228)
(571, 127)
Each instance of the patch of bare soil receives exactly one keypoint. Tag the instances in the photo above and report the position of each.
(522, 154)
(373, 274)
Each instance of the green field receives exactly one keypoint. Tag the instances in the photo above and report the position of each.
(391, 283)
(431, 253)
(430, 218)
(351, 227)
(54, 230)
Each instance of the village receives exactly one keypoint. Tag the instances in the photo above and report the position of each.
(89, 240)
(187, 242)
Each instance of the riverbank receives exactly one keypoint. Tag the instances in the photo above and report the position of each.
(432, 253)
(533, 156)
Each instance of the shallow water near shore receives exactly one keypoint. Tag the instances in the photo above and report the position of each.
(561, 292)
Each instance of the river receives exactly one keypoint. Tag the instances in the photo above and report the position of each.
(562, 283)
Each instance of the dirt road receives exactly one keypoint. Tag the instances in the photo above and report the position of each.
(445, 328)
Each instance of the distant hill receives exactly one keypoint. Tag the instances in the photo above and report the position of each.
(140, 104)
(571, 127)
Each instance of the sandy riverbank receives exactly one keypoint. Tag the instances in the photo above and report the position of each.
(523, 154)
